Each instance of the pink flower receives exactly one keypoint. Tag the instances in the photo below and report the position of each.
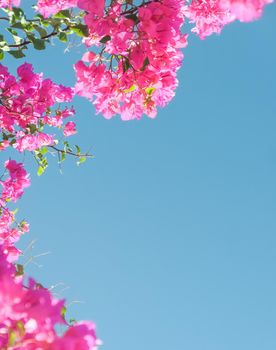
(4, 144)
(210, 16)
(81, 336)
(26, 108)
(31, 313)
(9, 3)
(139, 57)
(95, 7)
(50, 7)
(13, 186)
(33, 142)
(69, 129)
(245, 10)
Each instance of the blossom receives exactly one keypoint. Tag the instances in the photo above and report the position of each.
(50, 7)
(210, 16)
(13, 186)
(9, 3)
(139, 58)
(245, 10)
(29, 314)
(69, 129)
(26, 108)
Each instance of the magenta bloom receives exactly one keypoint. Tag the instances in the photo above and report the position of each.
(69, 129)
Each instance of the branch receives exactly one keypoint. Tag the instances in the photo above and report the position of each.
(77, 155)
(26, 42)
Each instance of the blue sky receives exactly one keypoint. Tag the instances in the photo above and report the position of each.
(168, 235)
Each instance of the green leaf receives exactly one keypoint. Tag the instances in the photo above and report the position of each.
(18, 25)
(15, 211)
(12, 142)
(66, 144)
(63, 312)
(132, 88)
(17, 39)
(39, 44)
(38, 155)
(41, 31)
(1, 54)
(150, 90)
(5, 48)
(38, 16)
(32, 128)
(12, 31)
(145, 63)
(3, 44)
(44, 162)
(134, 18)
(12, 338)
(78, 149)
(80, 29)
(43, 150)
(28, 27)
(63, 14)
(62, 37)
(40, 170)
(105, 39)
(55, 22)
(63, 156)
(126, 65)
(17, 53)
(18, 13)
(21, 328)
(81, 160)
(45, 23)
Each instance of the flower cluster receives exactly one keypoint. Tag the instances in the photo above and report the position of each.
(25, 109)
(13, 188)
(50, 7)
(29, 315)
(9, 3)
(134, 49)
(133, 54)
(28, 312)
(133, 68)
(245, 10)
(210, 16)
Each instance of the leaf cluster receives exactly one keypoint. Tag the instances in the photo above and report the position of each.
(38, 31)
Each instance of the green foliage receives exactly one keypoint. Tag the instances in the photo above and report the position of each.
(41, 160)
(80, 29)
(22, 31)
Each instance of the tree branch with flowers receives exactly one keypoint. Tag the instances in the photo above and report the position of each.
(133, 53)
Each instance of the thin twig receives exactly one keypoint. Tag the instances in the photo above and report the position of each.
(78, 155)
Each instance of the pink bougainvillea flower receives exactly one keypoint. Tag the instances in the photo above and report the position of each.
(210, 16)
(136, 69)
(30, 313)
(9, 3)
(51, 7)
(245, 10)
(13, 186)
(69, 129)
(26, 108)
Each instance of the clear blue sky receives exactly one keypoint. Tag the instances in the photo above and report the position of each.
(169, 235)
